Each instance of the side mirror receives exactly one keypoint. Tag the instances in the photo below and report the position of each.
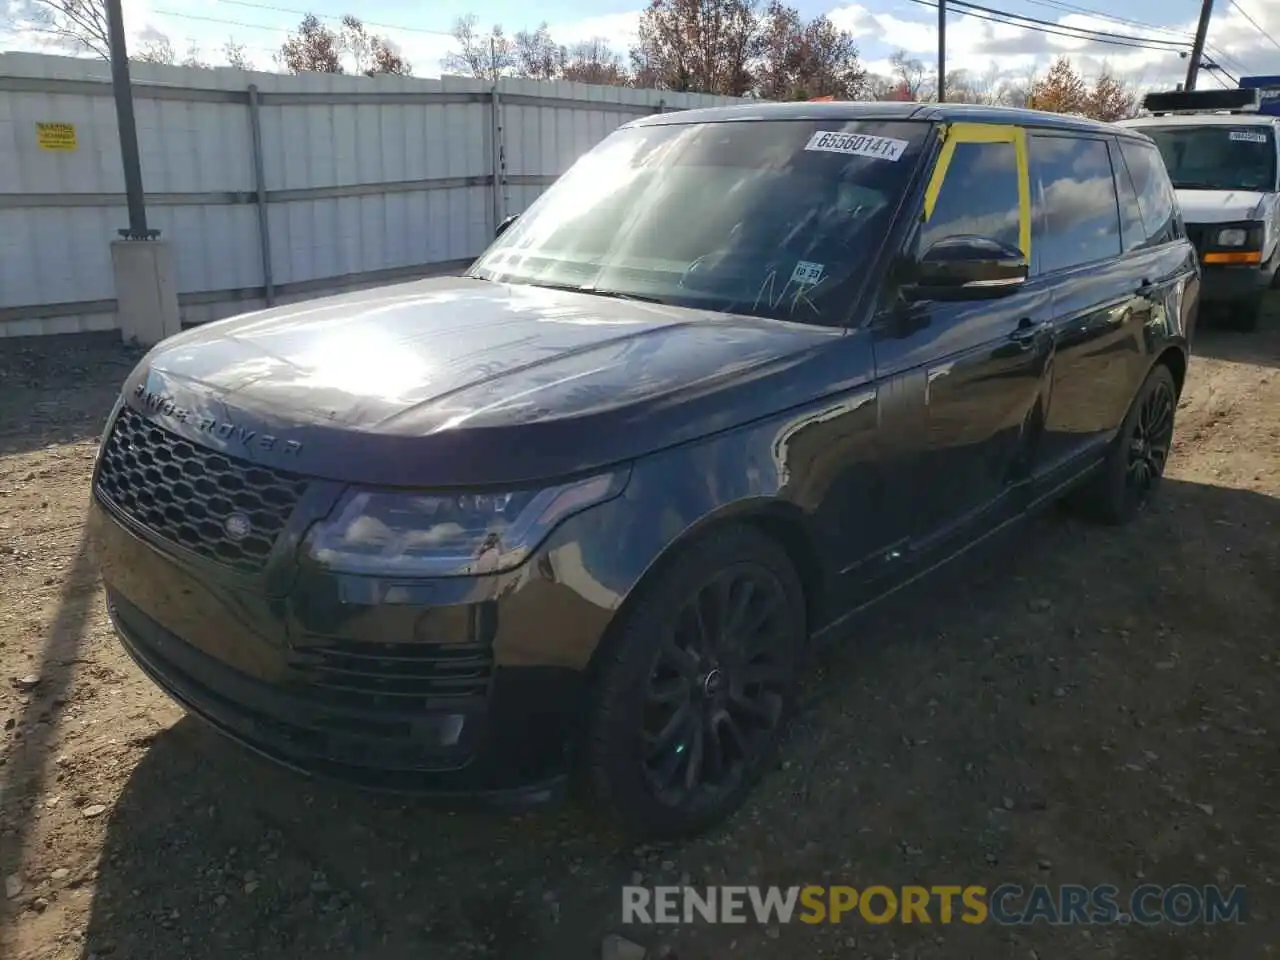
(502, 227)
(968, 268)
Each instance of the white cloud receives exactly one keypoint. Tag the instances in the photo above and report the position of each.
(975, 45)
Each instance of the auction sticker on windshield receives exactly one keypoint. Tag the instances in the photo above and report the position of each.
(857, 145)
(1248, 136)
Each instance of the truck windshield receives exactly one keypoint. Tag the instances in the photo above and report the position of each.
(1218, 157)
(770, 218)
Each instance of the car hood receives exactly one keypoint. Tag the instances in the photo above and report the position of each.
(459, 380)
(1219, 206)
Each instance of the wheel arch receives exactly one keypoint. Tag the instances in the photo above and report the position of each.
(780, 520)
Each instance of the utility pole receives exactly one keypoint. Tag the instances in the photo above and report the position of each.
(942, 49)
(127, 127)
(1197, 47)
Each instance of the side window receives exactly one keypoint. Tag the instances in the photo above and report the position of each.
(1074, 193)
(1133, 233)
(1155, 192)
(979, 195)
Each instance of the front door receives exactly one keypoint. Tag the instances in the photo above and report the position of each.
(963, 382)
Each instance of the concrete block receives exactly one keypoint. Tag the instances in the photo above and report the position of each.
(146, 290)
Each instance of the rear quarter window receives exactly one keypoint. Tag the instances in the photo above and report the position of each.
(1156, 198)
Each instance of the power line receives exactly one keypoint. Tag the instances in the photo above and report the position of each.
(1104, 39)
(1090, 32)
(1257, 26)
(1219, 55)
(321, 16)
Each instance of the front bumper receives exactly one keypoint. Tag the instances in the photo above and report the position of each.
(1220, 283)
(363, 681)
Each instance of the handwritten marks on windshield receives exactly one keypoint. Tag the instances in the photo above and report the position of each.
(805, 279)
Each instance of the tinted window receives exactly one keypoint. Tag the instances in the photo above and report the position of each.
(1155, 194)
(979, 195)
(1133, 233)
(773, 218)
(1218, 157)
(1074, 196)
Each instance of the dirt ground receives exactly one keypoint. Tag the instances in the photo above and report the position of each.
(1093, 706)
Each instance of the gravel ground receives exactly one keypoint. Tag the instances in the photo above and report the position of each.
(1091, 706)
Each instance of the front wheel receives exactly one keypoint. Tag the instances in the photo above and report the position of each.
(1133, 469)
(694, 688)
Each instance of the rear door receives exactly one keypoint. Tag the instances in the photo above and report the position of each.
(1099, 297)
(961, 381)
(1167, 244)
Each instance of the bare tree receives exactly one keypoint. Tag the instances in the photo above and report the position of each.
(372, 54)
(156, 48)
(78, 26)
(537, 56)
(313, 49)
(235, 56)
(594, 61)
(909, 76)
(481, 55)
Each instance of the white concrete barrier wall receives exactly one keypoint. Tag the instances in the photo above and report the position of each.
(367, 180)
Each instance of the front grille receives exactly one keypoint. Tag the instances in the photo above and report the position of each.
(187, 494)
(393, 676)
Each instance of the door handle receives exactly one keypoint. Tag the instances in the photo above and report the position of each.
(1027, 330)
(1146, 290)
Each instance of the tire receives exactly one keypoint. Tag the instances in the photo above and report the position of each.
(1116, 494)
(647, 684)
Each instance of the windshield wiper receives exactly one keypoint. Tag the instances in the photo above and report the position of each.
(611, 294)
(619, 295)
(1196, 185)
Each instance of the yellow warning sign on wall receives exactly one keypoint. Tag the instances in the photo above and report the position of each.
(56, 136)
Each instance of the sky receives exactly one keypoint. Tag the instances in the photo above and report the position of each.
(421, 31)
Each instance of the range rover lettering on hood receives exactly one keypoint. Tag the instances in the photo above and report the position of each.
(163, 407)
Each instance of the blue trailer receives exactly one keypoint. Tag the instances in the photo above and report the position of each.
(1270, 88)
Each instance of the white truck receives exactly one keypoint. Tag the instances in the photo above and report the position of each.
(1222, 151)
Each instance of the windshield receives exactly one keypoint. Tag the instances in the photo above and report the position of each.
(771, 218)
(1218, 157)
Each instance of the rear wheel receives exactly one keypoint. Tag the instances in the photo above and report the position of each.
(1133, 469)
(691, 697)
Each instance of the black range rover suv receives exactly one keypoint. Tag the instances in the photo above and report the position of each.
(736, 375)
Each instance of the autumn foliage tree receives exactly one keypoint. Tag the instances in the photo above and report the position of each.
(727, 47)
(1111, 100)
(1064, 90)
(1061, 90)
(797, 60)
(315, 48)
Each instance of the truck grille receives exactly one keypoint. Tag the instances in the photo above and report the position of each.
(393, 676)
(188, 495)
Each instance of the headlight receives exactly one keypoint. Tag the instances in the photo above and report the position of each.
(402, 533)
(1232, 237)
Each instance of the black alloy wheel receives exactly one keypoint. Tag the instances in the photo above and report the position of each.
(717, 690)
(1132, 472)
(695, 685)
(1150, 441)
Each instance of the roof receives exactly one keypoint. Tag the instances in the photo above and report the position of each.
(1203, 119)
(845, 110)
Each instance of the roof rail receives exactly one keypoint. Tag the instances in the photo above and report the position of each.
(1202, 101)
